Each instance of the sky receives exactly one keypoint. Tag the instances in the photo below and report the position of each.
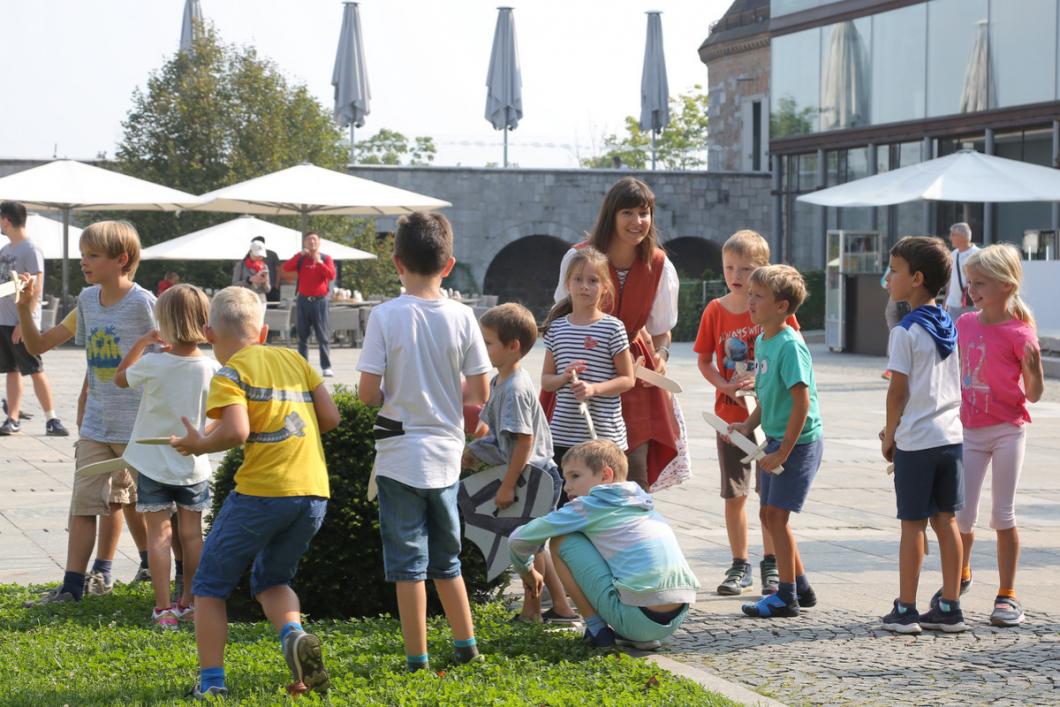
(69, 77)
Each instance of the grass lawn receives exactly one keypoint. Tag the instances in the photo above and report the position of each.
(107, 651)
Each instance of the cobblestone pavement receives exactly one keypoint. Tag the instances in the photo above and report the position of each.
(837, 656)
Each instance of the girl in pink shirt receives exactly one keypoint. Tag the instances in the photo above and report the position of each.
(998, 346)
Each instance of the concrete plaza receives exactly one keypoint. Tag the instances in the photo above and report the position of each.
(848, 536)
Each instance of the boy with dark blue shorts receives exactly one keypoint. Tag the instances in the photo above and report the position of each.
(275, 405)
(924, 435)
(787, 411)
(416, 348)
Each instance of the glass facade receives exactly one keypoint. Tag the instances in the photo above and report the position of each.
(954, 27)
(899, 80)
(1023, 45)
(795, 84)
(786, 7)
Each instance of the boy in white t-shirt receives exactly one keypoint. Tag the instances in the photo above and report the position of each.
(924, 436)
(415, 349)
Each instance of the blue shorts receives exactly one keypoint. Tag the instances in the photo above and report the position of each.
(929, 481)
(153, 496)
(789, 489)
(421, 531)
(273, 533)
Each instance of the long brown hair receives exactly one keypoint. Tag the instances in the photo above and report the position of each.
(627, 193)
(588, 257)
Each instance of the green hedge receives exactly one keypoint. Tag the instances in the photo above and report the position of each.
(342, 573)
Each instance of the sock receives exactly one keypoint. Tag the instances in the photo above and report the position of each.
(143, 559)
(287, 629)
(74, 582)
(103, 566)
(904, 608)
(739, 560)
(417, 662)
(50, 415)
(948, 606)
(801, 583)
(770, 558)
(966, 573)
(595, 624)
(466, 650)
(211, 677)
(1007, 593)
(179, 564)
(786, 592)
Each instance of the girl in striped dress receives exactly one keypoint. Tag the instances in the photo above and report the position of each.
(587, 358)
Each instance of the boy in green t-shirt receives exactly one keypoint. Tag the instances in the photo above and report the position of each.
(787, 411)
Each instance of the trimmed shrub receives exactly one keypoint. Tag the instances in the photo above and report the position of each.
(341, 575)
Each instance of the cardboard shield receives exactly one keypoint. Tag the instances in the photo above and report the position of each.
(489, 527)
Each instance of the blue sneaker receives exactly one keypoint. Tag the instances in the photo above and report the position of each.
(604, 639)
(771, 607)
(209, 694)
(902, 622)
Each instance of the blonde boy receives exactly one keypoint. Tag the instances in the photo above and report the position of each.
(725, 345)
(275, 405)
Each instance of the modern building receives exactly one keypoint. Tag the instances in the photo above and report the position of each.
(851, 88)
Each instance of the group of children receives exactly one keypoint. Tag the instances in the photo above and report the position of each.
(425, 357)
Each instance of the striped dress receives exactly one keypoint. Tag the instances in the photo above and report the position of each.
(597, 344)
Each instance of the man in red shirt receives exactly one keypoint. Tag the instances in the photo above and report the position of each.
(315, 273)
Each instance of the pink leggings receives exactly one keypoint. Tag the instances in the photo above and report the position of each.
(1001, 448)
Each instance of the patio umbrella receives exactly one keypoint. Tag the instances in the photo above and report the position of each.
(962, 176)
(47, 234)
(504, 83)
(231, 240)
(66, 185)
(306, 190)
(978, 92)
(844, 85)
(654, 88)
(191, 28)
(350, 76)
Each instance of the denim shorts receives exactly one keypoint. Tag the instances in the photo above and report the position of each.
(788, 490)
(421, 531)
(929, 481)
(273, 533)
(153, 495)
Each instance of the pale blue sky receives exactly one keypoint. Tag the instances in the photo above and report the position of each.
(69, 66)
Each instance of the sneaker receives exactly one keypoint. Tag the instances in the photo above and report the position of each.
(166, 619)
(10, 427)
(183, 613)
(22, 414)
(327, 373)
(306, 660)
(951, 621)
(1007, 612)
(966, 584)
(551, 617)
(771, 607)
(54, 428)
(213, 693)
(143, 574)
(770, 576)
(807, 598)
(639, 645)
(96, 584)
(908, 622)
(604, 639)
(737, 579)
(52, 596)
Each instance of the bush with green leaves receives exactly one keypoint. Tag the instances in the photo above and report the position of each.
(342, 573)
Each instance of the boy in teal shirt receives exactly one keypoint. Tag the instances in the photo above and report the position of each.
(787, 411)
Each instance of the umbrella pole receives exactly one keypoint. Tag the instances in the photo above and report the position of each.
(653, 150)
(505, 145)
(353, 159)
(305, 223)
(66, 261)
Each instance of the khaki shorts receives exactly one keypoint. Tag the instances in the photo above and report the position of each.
(735, 475)
(93, 495)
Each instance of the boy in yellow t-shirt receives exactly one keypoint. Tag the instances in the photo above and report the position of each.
(271, 402)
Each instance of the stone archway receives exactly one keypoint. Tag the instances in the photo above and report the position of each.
(526, 271)
(693, 256)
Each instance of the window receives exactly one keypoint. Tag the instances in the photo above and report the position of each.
(1023, 51)
(954, 26)
(795, 83)
(845, 74)
(899, 47)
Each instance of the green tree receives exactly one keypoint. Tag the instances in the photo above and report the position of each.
(789, 120)
(391, 147)
(371, 277)
(681, 145)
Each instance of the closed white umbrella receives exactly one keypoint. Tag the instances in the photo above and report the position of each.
(350, 76)
(307, 190)
(654, 87)
(963, 176)
(504, 83)
(47, 234)
(67, 186)
(231, 241)
(844, 84)
(978, 91)
(191, 27)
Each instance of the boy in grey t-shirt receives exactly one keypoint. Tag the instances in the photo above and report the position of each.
(21, 255)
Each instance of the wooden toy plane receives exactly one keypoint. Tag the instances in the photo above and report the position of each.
(754, 452)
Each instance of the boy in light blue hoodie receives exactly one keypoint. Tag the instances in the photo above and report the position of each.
(616, 555)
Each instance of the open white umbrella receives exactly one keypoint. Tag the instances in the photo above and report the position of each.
(307, 190)
(350, 76)
(47, 234)
(231, 241)
(963, 176)
(66, 185)
(654, 88)
(191, 27)
(504, 82)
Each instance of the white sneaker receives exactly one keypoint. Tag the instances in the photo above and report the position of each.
(328, 373)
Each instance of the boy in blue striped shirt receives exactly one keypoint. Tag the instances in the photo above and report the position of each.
(616, 555)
